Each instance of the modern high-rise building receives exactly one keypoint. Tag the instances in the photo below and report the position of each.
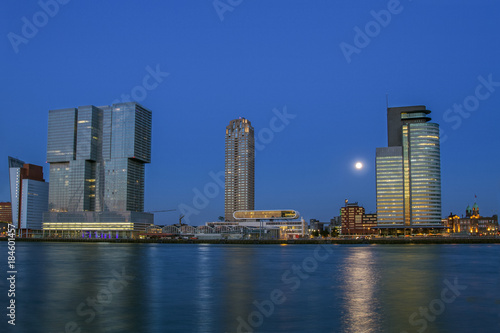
(97, 159)
(28, 193)
(240, 167)
(408, 171)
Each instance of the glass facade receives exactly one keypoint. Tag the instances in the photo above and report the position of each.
(425, 173)
(240, 167)
(97, 157)
(34, 203)
(390, 187)
(102, 221)
(59, 187)
(409, 176)
(28, 193)
(61, 139)
(266, 214)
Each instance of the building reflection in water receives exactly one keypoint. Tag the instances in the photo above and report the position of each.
(205, 305)
(384, 286)
(362, 308)
(59, 281)
(240, 278)
(412, 277)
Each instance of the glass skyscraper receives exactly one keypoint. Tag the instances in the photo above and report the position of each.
(97, 157)
(28, 194)
(408, 171)
(240, 167)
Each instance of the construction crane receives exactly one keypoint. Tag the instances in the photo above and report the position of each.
(161, 211)
(170, 210)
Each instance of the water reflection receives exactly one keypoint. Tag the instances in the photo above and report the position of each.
(70, 285)
(361, 307)
(204, 305)
(240, 276)
(206, 288)
(411, 277)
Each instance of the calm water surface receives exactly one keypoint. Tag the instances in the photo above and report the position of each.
(66, 287)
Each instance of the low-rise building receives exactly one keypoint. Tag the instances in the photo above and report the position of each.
(5, 216)
(279, 224)
(473, 223)
(317, 226)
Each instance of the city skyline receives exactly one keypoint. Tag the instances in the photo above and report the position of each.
(298, 66)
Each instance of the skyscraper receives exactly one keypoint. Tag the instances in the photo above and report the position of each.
(97, 157)
(240, 167)
(408, 171)
(28, 193)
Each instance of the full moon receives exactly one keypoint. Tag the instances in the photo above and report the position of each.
(359, 165)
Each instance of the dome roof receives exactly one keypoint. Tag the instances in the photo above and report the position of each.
(468, 208)
(475, 206)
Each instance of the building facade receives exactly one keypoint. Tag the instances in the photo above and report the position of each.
(240, 168)
(288, 223)
(5, 212)
(97, 159)
(473, 224)
(5, 217)
(28, 193)
(408, 171)
(355, 221)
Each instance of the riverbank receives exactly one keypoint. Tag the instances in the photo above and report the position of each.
(408, 240)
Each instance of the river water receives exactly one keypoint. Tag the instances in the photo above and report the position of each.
(100, 287)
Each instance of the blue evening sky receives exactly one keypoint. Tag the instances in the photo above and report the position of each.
(248, 59)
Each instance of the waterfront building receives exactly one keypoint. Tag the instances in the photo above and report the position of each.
(317, 226)
(5, 216)
(289, 222)
(97, 159)
(5, 212)
(278, 224)
(473, 223)
(240, 167)
(355, 221)
(29, 195)
(408, 171)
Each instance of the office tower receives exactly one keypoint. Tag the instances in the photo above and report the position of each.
(408, 171)
(97, 159)
(28, 193)
(240, 167)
